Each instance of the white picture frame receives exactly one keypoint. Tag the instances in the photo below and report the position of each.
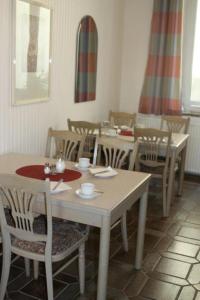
(31, 52)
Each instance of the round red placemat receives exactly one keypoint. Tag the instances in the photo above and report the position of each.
(37, 172)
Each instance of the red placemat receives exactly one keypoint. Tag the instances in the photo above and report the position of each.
(37, 172)
(126, 133)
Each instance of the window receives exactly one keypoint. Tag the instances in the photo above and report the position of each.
(191, 56)
(195, 86)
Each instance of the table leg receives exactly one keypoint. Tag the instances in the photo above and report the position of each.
(104, 248)
(182, 169)
(141, 231)
(171, 181)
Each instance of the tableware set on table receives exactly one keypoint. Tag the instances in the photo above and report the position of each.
(111, 132)
(103, 172)
(58, 187)
(87, 190)
(53, 169)
(119, 130)
(59, 167)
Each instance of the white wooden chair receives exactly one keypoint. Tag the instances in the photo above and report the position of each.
(90, 130)
(153, 156)
(176, 124)
(26, 261)
(114, 153)
(39, 239)
(122, 118)
(65, 143)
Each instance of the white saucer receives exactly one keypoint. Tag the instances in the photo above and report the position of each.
(83, 196)
(82, 169)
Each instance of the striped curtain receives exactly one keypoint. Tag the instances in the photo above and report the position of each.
(161, 88)
(87, 61)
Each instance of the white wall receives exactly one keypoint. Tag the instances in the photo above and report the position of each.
(137, 22)
(24, 128)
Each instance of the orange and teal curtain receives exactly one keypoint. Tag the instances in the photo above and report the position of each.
(86, 61)
(161, 88)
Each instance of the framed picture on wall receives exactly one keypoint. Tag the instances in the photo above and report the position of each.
(31, 44)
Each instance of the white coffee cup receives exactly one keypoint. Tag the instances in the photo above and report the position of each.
(84, 162)
(87, 188)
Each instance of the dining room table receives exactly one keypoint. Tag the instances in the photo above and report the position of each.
(117, 194)
(178, 150)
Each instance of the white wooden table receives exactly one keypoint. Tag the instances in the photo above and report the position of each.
(178, 148)
(120, 193)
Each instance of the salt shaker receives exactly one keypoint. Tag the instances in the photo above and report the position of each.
(47, 168)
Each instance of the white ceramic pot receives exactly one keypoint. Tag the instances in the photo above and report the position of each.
(60, 166)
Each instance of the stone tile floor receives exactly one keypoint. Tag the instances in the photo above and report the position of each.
(171, 267)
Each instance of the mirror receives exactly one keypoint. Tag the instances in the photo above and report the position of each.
(86, 60)
(31, 52)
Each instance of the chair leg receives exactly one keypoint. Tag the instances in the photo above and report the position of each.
(49, 277)
(164, 187)
(27, 266)
(36, 269)
(124, 232)
(5, 268)
(82, 268)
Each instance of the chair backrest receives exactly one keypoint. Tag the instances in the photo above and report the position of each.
(19, 195)
(83, 127)
(154, 147)
(122, 118)
(115, 152)
(175, 124)
(68, 143)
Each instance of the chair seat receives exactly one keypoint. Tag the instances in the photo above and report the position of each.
(65, 235)
(60, 225)
(155, 171)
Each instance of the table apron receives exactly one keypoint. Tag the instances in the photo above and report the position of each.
(71, 214)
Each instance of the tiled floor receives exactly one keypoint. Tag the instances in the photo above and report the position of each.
(171, 268)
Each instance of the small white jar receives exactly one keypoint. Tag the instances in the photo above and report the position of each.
(60, 166)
